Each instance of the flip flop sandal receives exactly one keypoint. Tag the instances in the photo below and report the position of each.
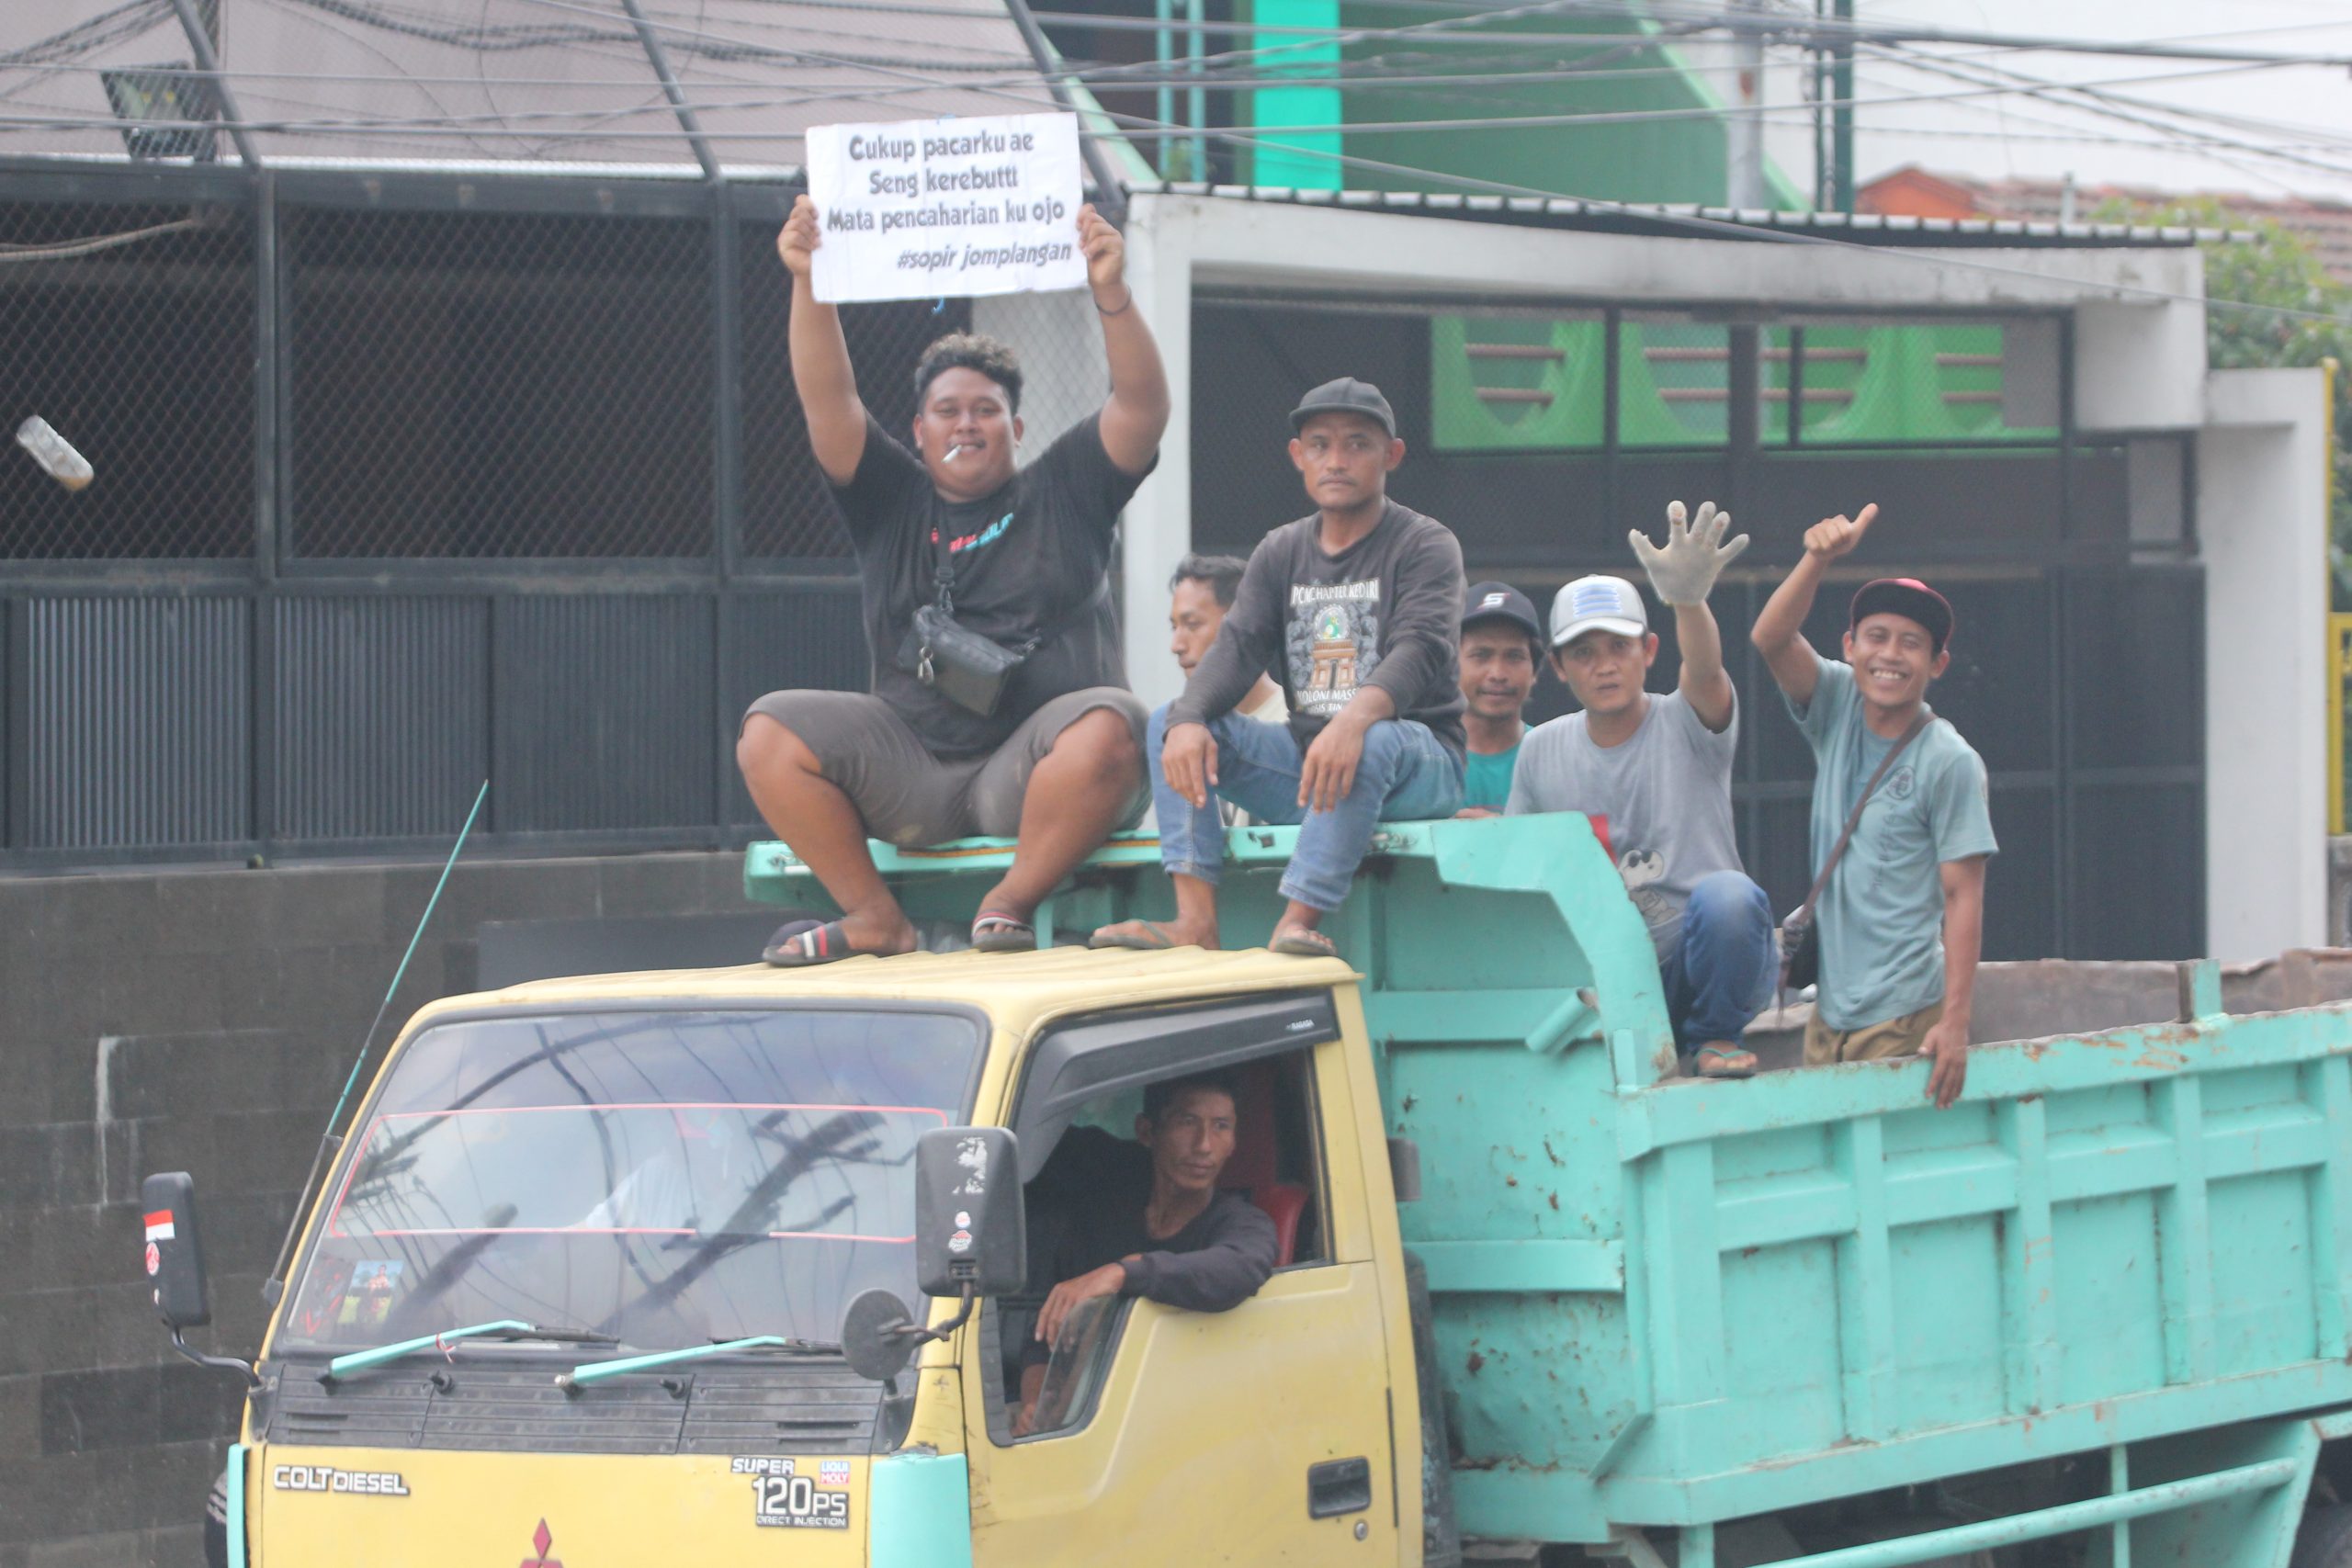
(1153, 939)
(1300, 942)
(993, 930)
(797, 944)
(1720, 1054)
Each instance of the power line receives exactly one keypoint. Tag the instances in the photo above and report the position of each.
(2039, 87)
(1145, 126)
(422, 124)
(1728, 228)
(1824, 33)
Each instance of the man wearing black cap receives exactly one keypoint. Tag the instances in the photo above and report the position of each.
(1356, 609)
(1902, 917)
(1502, 647)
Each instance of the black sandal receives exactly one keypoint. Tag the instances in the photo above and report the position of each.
(798, 945)
(993, 930)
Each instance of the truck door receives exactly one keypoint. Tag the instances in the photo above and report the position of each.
(1261, 1435)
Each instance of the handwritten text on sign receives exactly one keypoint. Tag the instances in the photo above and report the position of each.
(935, 206)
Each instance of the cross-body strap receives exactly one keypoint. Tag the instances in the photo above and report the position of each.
(944, 583)
(1925, 718)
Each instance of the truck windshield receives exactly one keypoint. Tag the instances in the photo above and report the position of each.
(666, 1178)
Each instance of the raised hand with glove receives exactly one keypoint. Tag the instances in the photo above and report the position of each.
(1684, 571)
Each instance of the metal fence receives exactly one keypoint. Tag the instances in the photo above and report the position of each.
(407, 478)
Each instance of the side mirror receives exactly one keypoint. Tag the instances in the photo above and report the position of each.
(175, 1252)
(971, 1233)
(971, 1241)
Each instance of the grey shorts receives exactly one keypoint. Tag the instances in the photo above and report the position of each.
(909, 796)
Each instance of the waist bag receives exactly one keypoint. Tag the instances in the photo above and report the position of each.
(967, 667)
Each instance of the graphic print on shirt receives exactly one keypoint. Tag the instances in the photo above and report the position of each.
(1640, 869)
(1333, 642)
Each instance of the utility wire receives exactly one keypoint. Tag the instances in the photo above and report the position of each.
(474, 124)
(66, 250)
(2046, 88)
(1729, 228)
(1695, 223)
(470, 124)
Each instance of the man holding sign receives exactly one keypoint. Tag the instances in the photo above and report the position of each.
(1037, 739)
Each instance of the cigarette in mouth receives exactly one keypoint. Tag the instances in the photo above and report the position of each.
(951, 453)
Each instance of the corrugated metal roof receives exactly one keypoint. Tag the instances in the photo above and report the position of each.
(442, 82)
(1687, 221)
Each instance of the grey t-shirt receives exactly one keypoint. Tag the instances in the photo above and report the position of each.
(1665, 791)
(1882, 917)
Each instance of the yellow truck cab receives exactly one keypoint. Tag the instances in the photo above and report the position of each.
(574, 1289)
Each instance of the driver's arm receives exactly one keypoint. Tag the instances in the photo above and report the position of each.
(1238, 1258)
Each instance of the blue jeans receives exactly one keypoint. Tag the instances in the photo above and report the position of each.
(1407, 775)
(1720, 973)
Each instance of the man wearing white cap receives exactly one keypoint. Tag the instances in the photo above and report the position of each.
(1657, 766)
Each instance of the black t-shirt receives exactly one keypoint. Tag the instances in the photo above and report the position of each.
(1091, 1196)
(1033, 550)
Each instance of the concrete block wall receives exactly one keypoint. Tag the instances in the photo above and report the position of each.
(200, 1019)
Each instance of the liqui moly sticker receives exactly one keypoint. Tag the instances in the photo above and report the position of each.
(159, 1225)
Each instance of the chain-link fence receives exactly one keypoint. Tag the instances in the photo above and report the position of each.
(402, 478)
(455, 386)
(466, 385)
(140, 354)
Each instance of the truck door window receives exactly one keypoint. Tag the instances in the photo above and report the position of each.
(1273, 1161)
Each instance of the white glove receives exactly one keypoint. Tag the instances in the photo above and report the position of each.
(1684, 572)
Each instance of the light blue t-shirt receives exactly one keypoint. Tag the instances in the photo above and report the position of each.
(1882, 917)
(1486, 777)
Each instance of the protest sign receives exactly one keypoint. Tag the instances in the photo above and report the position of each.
(928, 208)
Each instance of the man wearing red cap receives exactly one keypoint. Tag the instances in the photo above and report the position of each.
(1902, 917)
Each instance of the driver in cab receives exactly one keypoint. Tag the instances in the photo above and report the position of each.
(1146, 1219)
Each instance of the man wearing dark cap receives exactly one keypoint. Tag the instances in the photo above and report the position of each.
(1356, 609)
(1502, 647)
(1902, 918)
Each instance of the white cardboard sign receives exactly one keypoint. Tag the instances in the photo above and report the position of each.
(929, 208)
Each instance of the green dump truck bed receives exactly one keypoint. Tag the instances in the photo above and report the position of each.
(1662, 1302)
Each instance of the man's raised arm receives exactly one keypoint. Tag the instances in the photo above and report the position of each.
(1682, 574)
(1135, 414)
(821, 374)
(1779, 633)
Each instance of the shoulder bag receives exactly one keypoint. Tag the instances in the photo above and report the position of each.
(960, 664)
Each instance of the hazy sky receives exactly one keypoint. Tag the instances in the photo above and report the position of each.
(2303, 110)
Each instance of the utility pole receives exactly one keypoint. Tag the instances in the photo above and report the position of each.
(1743, 132)
(1841, 118)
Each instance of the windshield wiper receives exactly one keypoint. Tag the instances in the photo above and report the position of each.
(504, 1328)
(597, 1371)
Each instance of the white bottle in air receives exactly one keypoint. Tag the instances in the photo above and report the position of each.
(54, 453)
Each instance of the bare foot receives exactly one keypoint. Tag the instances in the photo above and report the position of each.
(998, 903)
(882, 935)
(1302, 941)
(1153, 934)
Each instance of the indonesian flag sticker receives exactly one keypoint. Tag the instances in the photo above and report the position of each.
(159, 1225)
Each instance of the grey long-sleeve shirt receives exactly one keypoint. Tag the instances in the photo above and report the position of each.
(1386, 611)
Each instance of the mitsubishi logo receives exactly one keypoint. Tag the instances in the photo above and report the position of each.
(542, 1541)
